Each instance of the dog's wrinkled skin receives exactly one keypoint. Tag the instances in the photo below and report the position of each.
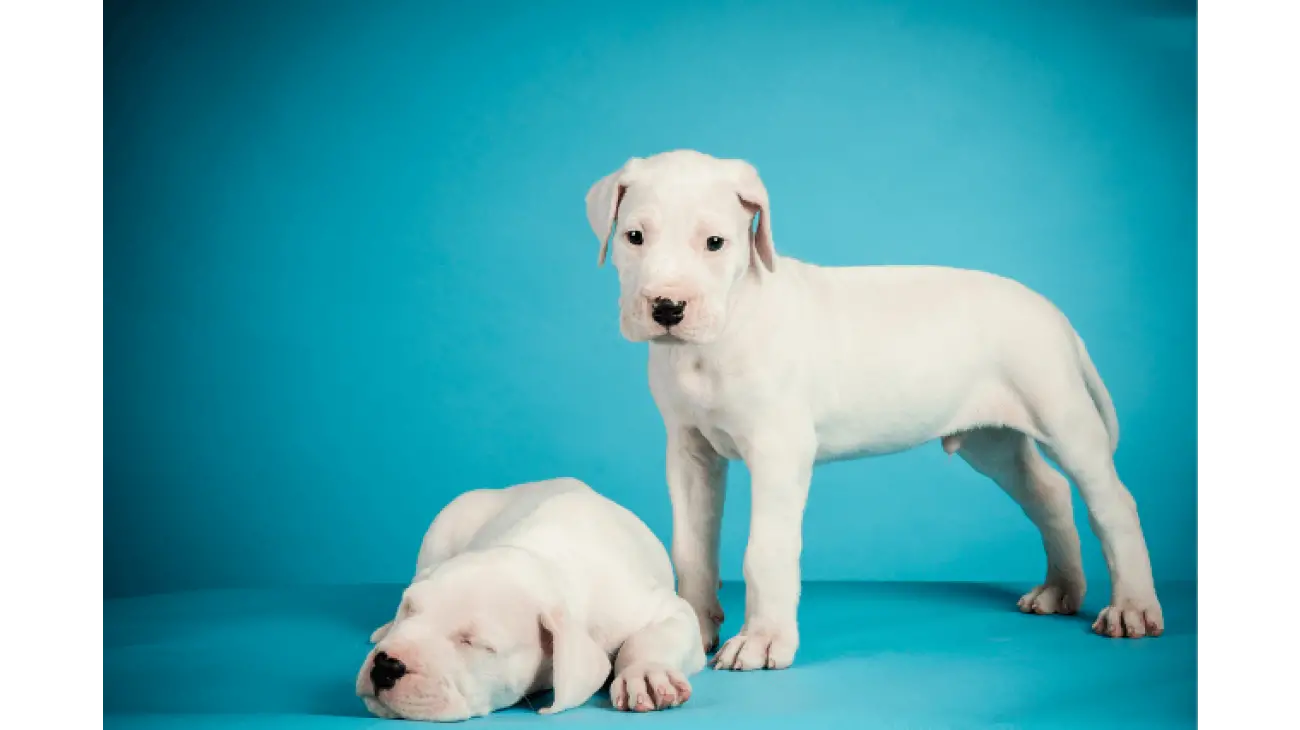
(529, 588)
(785, 364)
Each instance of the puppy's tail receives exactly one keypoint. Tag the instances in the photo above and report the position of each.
(1100, 396)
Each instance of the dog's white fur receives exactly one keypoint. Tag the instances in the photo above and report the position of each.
(534, 587)
(785, 364)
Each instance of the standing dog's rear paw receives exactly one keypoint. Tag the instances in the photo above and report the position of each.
(1130, 618)
(1054, 596)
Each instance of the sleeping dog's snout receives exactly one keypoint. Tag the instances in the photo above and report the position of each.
(386, 671)
(667, 312)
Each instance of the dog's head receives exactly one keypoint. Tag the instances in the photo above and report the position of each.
(475, 635)
(683, 233)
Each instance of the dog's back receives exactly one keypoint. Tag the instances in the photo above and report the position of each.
(563, 519)
(516, 507)
(607, 562)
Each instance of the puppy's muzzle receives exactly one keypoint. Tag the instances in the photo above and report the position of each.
(386, 671)
(667, 312)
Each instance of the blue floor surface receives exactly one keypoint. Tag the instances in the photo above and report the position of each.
(874, 655)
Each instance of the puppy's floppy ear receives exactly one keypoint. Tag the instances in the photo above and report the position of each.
(602, 205)
(579, 667)
(753, 194)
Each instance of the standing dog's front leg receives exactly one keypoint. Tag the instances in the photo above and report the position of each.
(780, 470)
(697, 486)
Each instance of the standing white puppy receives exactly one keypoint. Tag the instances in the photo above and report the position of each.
(528, 588)
(785, 364)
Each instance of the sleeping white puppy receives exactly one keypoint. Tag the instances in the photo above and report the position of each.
(528, 588)
(786, 364)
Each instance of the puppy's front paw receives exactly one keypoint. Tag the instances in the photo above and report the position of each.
(762, 647)
(1130, 618)
(646, 687)
(708, 611)
(1055, 596)
(711, 618)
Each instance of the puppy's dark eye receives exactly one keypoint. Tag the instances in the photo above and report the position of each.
(714, 243)
(635, 238)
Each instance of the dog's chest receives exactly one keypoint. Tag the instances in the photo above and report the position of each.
(705, 394)
(698, 385)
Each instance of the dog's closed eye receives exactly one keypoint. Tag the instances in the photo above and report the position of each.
(470, 640)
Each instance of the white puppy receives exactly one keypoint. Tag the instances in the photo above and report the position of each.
(785, 364)
(529, 588)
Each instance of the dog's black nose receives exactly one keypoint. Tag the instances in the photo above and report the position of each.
(386, 671)
(668, 313)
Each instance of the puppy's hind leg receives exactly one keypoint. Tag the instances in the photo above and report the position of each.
(455, 525)
(1078, 440)
(652, 666)
(1011, 459)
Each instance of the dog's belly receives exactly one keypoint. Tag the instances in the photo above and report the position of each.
(840, 436)
(848, 420)
(892, 420)
(871, 426)
(840, 444)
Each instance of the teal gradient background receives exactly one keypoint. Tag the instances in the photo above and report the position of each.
(348, 273)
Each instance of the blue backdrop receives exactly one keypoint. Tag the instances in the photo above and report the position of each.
(348, 273)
